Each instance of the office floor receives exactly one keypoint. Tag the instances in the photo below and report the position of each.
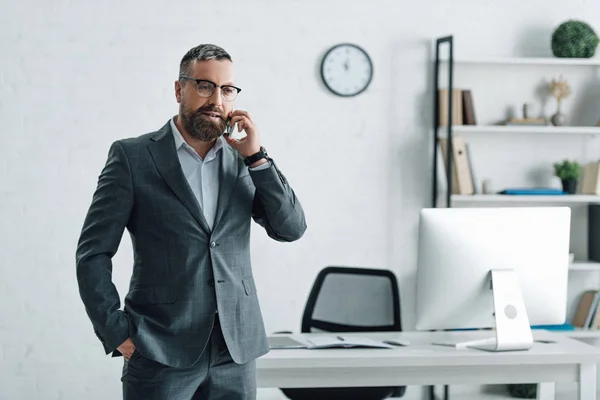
(491, 393)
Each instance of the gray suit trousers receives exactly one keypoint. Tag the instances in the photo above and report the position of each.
(214, 377)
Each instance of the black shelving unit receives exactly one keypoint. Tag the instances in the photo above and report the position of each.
(448, 41)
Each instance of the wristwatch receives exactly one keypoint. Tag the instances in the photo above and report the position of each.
(262, 153)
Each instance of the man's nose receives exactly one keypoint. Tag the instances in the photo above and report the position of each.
(216, 98)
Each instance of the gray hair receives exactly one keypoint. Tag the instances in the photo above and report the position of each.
(203, 52)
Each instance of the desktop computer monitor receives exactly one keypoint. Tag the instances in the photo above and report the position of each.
(502, 268)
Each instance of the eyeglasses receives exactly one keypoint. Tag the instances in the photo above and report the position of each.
(207, 88)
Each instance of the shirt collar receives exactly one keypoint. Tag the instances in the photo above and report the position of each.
(180, 141)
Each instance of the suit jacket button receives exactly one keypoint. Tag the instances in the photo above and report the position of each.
(213, 245)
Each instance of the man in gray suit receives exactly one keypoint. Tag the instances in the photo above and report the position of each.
(191, 326)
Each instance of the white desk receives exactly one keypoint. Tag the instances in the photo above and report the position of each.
(567, 360)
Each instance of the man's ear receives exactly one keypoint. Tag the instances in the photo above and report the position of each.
(178, 91)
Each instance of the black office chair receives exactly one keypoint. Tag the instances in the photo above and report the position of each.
(345, 299)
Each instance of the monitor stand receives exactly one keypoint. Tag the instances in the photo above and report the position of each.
(513, 331)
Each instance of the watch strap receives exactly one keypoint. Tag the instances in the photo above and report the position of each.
(262, 153)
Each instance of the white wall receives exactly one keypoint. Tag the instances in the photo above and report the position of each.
(76, 76)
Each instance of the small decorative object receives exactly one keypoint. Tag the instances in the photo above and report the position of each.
(346, 70)
(568, 172)
(574, 39)
(486, 187)
(526, 107)
(526, 120)
(560, 90)
(523, 390)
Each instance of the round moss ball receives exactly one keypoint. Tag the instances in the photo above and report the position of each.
(574, 39)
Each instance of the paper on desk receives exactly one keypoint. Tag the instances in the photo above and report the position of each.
(324, 342)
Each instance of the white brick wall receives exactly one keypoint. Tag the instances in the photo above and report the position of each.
(76, 75)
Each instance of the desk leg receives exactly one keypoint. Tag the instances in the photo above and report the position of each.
(587, 381)
(431, 392)
(546, 391)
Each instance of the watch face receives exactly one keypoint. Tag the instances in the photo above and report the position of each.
(346, 70)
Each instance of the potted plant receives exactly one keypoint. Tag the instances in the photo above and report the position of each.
(568, 172)
(523, 390)
(574, 39)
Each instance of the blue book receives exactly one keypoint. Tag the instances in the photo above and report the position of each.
(563, 327)
(534, 192)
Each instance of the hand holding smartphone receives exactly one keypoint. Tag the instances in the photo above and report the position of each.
(250, 143)
(228, 127)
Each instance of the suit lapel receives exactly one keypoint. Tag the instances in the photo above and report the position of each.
(162, 148)
(228, 173)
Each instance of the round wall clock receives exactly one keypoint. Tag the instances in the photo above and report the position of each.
(346, 70)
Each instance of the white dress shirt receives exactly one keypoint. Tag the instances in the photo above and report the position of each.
(202, 174)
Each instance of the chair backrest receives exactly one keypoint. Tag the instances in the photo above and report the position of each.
(350, 299)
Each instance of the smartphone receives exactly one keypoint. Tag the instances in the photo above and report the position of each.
(229, 127)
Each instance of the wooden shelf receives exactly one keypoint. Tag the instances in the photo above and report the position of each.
(500, 198)
(538, 61)
(520, 129)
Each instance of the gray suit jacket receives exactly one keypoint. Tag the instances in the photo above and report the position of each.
(183, 271)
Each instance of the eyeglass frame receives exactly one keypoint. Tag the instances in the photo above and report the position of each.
(238, 90)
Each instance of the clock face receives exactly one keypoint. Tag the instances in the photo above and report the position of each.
(346, 70)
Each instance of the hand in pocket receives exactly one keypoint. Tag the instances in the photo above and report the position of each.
(127, 348)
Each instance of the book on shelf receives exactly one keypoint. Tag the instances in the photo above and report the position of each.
(457, 112)
(593, 232)
(590, 179)
(463, 109)
(533, 191)
(462, 178)
(468, 108)
(587, 315)
(471, 169)
(563, 327)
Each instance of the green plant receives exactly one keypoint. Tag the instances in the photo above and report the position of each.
(567, 170)
(574, 39)
(523, 390)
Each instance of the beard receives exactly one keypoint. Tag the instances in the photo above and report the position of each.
(201, 126)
